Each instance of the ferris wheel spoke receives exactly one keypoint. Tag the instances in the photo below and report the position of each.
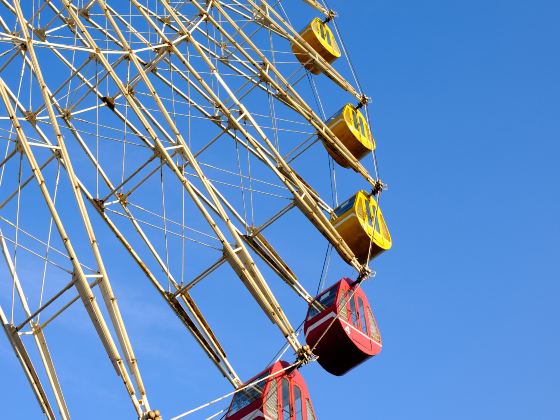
(288, 95)
(243, 264)
(231, 376)
(258, 243)
(194, 322)
(203, 335)
(27, 366)
(180, 92)
(193, 130)
(107, 293)
(281, 25)
(38, 334)
(272, 258)
(285, 94)
(367, 176)
(87, 295)
(301, 194)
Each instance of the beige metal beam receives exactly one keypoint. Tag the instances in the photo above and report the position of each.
(27, 366)
(242, 264)
(38, 335)
(88, 298)
(105, 286)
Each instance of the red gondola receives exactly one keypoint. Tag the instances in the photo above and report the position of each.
(341, 329)
(281, 397)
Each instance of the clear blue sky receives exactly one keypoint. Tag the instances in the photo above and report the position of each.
(466, 116)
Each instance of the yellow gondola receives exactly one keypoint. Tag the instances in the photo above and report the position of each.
(319, 36)
(350, 127)
(360, 223)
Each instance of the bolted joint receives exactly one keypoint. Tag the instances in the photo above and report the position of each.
(365, 273)
(129, 89)
(100, 204)
(364, 100)
(378, 187)
(69, 21)
(84, 12)
(161, 50)
(331, 14)
(304, 356)
(58, 154)
(152, 415)
(36, 328)
(31, 117)
(231, 123)
(263, 69)
(215, 118)
(66, 114)
(109, 101)
(251, 230)
(203, 14)
(19, 146)
(40, 33)
(158, 154)
(123, 198)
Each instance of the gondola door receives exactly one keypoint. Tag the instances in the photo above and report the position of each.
(359, 322)
(285, 395)
(292, 402)
(362, 321)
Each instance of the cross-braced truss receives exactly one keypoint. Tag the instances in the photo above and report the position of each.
(189, 128)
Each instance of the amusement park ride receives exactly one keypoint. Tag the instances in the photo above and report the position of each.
(189, 128)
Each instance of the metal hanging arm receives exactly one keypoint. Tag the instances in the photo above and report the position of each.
(290, 33)
(318, 6)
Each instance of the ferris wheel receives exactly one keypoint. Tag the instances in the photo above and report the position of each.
(207, 137)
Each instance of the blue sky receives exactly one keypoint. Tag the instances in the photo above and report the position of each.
(465, 113)
(465, 105)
